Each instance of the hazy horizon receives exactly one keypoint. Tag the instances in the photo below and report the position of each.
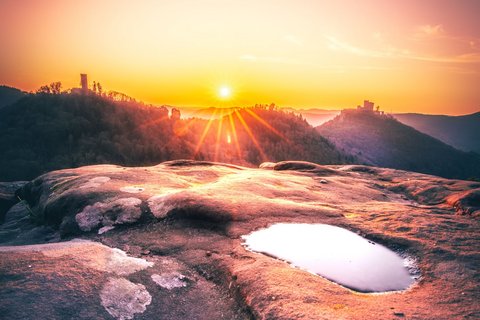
(326, 109)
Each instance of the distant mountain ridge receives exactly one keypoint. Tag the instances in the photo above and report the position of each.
(461, 132)
(314, 116)
(381, 140)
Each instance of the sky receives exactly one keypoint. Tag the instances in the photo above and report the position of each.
(407, 56)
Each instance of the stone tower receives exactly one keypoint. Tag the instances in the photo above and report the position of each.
(84, 82)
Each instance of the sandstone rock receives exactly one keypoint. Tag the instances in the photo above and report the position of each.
(267, 165)
(8, 197)
(108, 213)
(304, 166)
(82, 279)
(192, 217)
(467, 202)
(19, 227)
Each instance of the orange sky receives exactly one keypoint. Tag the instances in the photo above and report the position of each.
(421, 56)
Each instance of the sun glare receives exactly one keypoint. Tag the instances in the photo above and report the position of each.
(224, 122)
(224, 92)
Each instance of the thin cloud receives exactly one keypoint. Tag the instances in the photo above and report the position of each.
(394, 53)
(335, 44)
(346, 69)
(464, 58)
(428, 30)
(327, 68)
(470, 46)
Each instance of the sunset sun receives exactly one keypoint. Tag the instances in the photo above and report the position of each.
(224, 92)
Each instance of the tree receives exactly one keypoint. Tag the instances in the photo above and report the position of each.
(56, 87)
(43, 89)
(52, 88)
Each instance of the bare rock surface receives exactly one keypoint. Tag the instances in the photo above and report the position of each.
(165, 242)
(8, 197)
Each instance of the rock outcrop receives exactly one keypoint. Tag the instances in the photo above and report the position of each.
(8, 197)
(165, 242)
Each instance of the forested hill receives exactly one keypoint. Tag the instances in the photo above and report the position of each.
(43, 132)
(381, 140)
(9, 95)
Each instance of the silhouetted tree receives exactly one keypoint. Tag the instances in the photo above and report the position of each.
(56, 87)
(52, 88)
(43, 89)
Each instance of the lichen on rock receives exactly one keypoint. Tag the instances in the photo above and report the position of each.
(170, 280)
(120, 211)
(94, 255)
(160, 205)
(123, 299)
(132, 189)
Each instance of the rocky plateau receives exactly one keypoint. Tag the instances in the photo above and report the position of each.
(165, 242)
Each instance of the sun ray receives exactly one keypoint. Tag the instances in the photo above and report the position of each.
(265, 123)
(219, 133)
(180, 131)
(234, 133)
(251, 135)
(204, 133)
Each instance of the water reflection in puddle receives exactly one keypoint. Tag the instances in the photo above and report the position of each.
(334, 253)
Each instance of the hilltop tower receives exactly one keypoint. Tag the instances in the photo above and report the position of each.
(84, 82)
(368, 105)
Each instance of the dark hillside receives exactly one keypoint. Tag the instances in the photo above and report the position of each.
(43, 132)
(9, 95)
(383, 141)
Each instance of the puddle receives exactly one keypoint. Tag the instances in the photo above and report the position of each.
(336, 254)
